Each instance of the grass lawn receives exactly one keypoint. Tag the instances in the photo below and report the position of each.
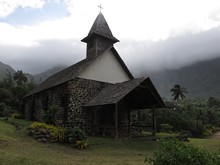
(213, 145)
(16, 148)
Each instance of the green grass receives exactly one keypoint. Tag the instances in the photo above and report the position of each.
(212, 145)
(19, 149)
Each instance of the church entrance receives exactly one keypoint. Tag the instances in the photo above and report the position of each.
(105, 125)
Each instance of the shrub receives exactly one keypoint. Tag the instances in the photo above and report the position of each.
(166, 128)
(76, 135)
(58, 134)
(4, 109)
(16, 116)
(78, 138)
(39, 125)
(173, 152)
(47, 132)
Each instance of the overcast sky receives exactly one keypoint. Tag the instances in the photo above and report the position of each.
(36, 35)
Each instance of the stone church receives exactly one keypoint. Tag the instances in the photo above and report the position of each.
(98, 94)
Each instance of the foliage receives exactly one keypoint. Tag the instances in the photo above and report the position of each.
(58, 134)
(16, 116)
(213, 102)
(20, 77)
(190, 116)
(4, 109)
(166, 128)
(78, 138)
(44, 132)
(76, 134)
(5, 96)
(178, 92)
(49, 115)
(11, 94)
(39, 125)
(82, 144)
(47, 132)
(7, 82)
(174, 152)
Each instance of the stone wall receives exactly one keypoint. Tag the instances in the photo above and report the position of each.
(80, 92)
(69, 99)
(39, 103)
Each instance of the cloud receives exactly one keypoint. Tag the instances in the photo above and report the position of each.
(51, 10)
(139, 56)
(176, 52)
(154, 34)
(47, 54)
(9, 6)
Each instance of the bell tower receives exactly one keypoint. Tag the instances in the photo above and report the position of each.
(100, 37)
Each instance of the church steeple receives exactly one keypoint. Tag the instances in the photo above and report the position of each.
(100, 37)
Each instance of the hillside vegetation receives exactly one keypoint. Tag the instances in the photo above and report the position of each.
(4, 69)
(201, 79)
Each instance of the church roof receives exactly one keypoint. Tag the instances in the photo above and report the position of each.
(72, 72)
(101, 28)
(138, 93)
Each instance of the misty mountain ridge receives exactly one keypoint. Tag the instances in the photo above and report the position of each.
(38, 78)
(201, 79)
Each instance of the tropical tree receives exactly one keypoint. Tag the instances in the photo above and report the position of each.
(178, 92)
(7, 82)
(20, 77)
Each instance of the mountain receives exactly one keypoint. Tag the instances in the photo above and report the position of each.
(38, 78)
(201, 79)
(4, 69)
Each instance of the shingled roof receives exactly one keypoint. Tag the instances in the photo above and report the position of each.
(101, 28)
(138, 93)
(73, 71)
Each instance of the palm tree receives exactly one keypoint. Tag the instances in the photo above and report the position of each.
(178, 92)
(20, 77)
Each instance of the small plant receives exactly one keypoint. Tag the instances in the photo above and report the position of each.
(39, 125)
(83, 144)
(16, 116)
(78, 138)
(49, 115)
(173, 152)
(58, 134)
(76, 135)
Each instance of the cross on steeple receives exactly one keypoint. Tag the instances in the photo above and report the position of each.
(100, 6)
